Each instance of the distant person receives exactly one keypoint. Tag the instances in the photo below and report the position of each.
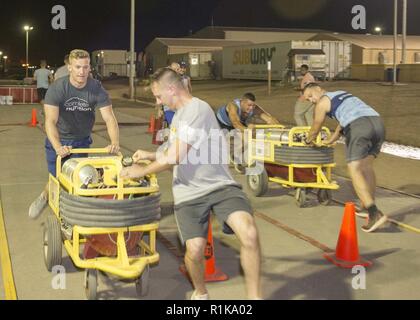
(364, 131)
(63, 71)
(70, 105)
(186, 80)
(212, 66)
(238, 114)
(304, 110)
(175, 66)
(43, 78)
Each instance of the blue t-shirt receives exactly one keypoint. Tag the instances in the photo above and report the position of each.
(77, 106)
(223, 116)
(345, 108)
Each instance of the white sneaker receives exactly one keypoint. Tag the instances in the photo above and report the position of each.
(38, 206)
(362, 214)
(196, 296)
(375, 222)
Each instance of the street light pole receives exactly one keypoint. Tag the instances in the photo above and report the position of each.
(5, 65)
(27, 51)
(27, 29)
(404, 32)
(394, 75)
(132, 30)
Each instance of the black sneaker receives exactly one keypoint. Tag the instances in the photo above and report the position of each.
(375, 223)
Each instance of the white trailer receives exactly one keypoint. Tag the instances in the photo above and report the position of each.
(250, 61)
(338, 56)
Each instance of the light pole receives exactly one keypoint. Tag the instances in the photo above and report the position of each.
(394, 76)
(132, 46)
(5, 60)
(27, 29)
(378, 30)
(404, 32)
(1, 60)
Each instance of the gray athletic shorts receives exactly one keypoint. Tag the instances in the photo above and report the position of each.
(364, 137)
(192, 216)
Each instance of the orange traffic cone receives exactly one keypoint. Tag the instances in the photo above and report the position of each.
(347, 251)
(212, 272)
(33, 120)
(151, 124)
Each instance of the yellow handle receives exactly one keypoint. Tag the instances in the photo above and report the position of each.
(89, 150)
(268, 126)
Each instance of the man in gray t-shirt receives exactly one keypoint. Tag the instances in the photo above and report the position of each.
(197, 153)
(63, 71)
(69, 107)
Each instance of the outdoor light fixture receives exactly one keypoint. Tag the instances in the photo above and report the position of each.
(27, 29)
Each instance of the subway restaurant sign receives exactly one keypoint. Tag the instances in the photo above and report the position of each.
(251, 61)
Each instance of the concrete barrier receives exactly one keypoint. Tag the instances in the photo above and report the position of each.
(20, 94)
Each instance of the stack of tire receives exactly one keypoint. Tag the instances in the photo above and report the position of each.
(109, 213)
(303, 155)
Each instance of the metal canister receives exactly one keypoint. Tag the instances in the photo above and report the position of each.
(87, 173)
(277, 135)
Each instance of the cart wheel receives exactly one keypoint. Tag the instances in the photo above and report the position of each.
(300, 197)
(91, 284)
(142, 283)
(324, 196)
(258, 183)
(52, 242)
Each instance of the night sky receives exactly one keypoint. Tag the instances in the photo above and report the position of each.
(105, 24)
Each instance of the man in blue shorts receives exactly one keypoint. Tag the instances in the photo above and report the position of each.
(364, 132)
(69, 107)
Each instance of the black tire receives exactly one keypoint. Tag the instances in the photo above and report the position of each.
(304, 155)
(95, 212)
(52, 244)
(91, 284)
(324, 196)
(300, 197)
(142, 283)
(98, 203)
(258, 184)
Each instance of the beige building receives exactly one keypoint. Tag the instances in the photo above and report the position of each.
(367, 58)
(256, 35)
(160, 50)
(373, 56)
(376, 49)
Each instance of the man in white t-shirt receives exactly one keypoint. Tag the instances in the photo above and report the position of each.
(43, 78)
(197, 153)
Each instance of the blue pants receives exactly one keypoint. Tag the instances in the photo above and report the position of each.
(52, 155)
